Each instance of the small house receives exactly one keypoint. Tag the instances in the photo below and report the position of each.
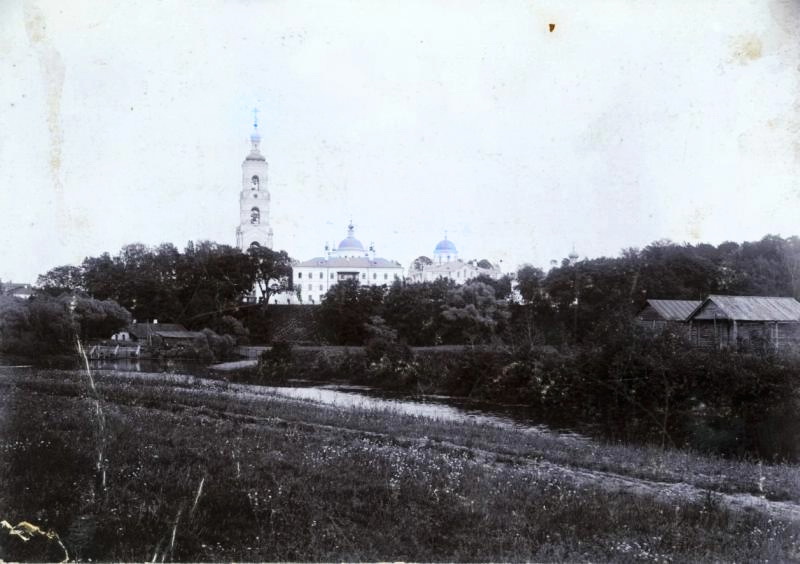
(663, 314)
(18, 290)
(758, 321)
(168, 333)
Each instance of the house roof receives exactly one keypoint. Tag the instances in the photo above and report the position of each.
(144, 330)
(750, 308)
(179, 334)
(352, 262)
(674, 310)
(15, 287)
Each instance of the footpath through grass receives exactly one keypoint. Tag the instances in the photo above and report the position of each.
(204, 471)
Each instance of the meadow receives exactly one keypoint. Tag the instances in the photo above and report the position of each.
(137, 467)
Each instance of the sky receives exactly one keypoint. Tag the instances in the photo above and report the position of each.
(629, 122)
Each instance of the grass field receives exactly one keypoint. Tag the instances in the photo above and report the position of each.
(177, 468)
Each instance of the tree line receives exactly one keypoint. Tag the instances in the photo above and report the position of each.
(578, 301)
(574, 302)
(204, 282)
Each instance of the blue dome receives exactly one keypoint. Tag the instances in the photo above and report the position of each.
(350, 244)
(445, 246)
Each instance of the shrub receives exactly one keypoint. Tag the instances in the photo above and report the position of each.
(276, 363)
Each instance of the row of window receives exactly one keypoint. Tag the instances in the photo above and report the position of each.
(321, 276)
(311, 275)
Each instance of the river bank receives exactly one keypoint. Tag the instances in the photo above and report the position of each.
(180, 467)
(633, 389)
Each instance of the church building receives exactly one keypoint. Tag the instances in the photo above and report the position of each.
(349, 261)
(447, 264)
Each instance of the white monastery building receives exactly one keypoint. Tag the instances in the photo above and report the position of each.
(348, 261)
(254, 198)
(447, 264)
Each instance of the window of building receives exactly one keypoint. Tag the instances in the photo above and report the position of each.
(331, 276)
(320, 287)
(254, 183)
(385, 276)
(310, 287)
(299, 275)
(374, 276)
(321, 275)
(255, 216)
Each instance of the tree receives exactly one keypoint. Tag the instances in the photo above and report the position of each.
(473, 314)
(60, 280)
(420, 262)
(103, 277)
(501, 286)
(99, 319)
(346, 309)
(14, 324)
(212, 280)
(533, 321)
(413, 310)
(51, 326)
(530, 283)
(272, 270)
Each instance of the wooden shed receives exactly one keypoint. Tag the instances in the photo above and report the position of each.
(168, 332)
(662, 314)
(759, 321)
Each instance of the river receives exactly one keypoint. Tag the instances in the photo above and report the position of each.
(340, 395)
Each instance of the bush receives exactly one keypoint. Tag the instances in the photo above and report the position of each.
(276, 363)
(221, 346)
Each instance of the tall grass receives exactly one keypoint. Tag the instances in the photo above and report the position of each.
(209, 471)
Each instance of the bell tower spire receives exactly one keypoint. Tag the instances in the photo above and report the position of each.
(255, 138)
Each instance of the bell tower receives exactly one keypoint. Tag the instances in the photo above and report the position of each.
(254, 198)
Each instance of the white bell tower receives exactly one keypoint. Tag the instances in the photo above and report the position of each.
(254, 197)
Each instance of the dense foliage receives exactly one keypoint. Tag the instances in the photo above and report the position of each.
(46, 325)
(578, 300)
(421, 314)
(195, 287)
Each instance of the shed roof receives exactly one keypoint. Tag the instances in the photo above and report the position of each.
(15, 287)
(143, 330)
(674, 310)
(751, 308)
(179, 334)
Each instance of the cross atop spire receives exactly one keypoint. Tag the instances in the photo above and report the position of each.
(255, 118)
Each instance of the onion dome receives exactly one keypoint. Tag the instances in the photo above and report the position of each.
(445, 251)
(445, 246)
(350, 243)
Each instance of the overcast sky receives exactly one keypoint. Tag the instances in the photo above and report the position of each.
(630, 122)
